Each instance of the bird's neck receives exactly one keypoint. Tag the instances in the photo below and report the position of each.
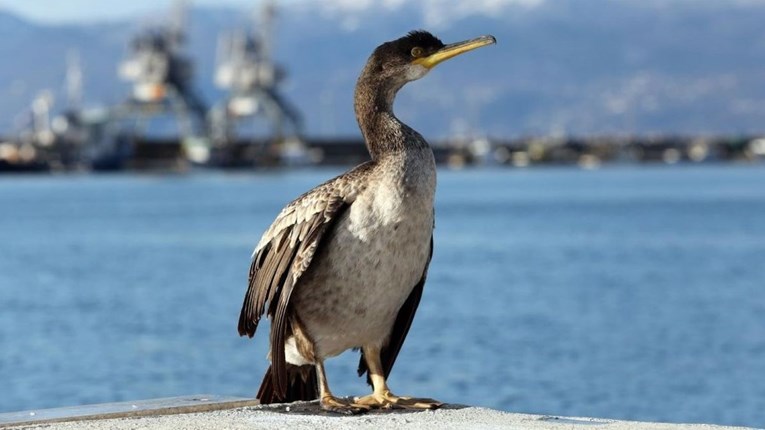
(383, 133)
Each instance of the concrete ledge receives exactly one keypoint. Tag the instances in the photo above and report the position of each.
(215, 412)
(139, 408)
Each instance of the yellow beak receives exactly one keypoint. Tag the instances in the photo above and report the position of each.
(454, 49)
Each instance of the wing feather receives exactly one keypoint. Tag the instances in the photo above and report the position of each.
(284, 253)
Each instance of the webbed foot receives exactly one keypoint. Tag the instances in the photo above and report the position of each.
(387, 400)
(340, 406)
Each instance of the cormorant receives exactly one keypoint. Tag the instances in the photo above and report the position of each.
(343, 266)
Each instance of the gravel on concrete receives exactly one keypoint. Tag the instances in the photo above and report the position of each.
(307, 416)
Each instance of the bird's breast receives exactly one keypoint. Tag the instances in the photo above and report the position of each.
(372, 261)
(398, 199)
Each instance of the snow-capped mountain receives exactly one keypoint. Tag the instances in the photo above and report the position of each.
(583, 67)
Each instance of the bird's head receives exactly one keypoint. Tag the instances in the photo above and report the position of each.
(414, 55)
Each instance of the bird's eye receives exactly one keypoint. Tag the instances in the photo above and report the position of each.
(417, 52)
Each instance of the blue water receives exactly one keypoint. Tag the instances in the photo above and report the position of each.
(621, 292)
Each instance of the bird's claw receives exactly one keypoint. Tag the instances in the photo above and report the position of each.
(339, 406)
(387, 400)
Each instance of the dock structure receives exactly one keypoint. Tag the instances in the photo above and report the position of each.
(164, 124)
(252, 122)
(161, 74)
(592, 151)
(216, 412)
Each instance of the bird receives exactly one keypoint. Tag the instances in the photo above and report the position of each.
(343, 266)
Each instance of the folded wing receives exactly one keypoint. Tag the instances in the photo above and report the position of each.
(284, 253)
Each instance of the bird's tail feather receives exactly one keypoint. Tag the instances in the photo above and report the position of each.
(301, 385)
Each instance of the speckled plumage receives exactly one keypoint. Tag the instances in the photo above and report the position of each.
(375, 255)
(343, 266)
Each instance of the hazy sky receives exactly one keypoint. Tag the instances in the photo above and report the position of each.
(75, 11)
(96, 10)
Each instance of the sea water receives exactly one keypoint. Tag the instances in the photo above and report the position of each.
(624, 292)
